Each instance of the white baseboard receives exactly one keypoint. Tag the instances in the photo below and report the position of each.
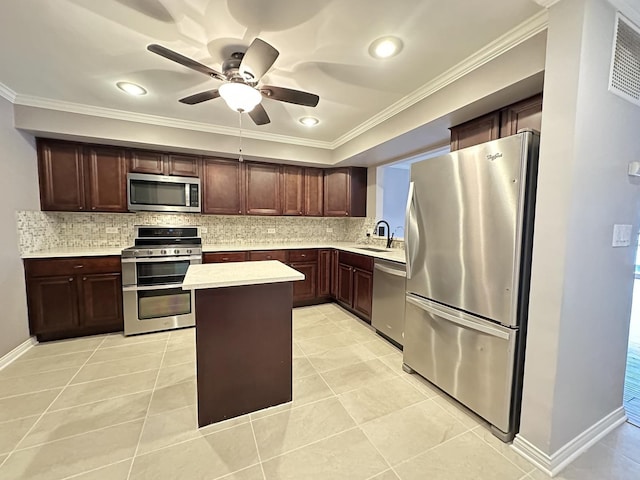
(556, 462)
(14, 354)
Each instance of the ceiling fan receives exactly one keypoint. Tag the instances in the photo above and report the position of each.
(241, 74)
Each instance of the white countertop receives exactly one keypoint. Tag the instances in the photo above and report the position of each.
(394, 254)
(218, 275)
(74, 252)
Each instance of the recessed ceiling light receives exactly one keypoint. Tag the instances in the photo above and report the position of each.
(131, 88)
(385, 47)
(309, 121)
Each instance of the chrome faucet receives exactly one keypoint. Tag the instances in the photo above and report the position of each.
(389, 234)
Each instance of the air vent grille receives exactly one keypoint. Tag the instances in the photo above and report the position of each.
(625, 63)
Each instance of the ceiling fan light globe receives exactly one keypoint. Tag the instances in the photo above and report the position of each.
(239, 96)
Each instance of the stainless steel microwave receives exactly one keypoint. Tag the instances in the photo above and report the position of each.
(162, 193)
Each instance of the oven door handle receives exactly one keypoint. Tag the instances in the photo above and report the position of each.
(136, 288)
(161, 259)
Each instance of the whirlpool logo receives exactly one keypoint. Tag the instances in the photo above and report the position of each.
(494, 156)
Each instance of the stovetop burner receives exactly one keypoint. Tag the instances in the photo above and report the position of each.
(159, 241)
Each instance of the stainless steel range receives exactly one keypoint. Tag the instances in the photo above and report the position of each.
(152, 274)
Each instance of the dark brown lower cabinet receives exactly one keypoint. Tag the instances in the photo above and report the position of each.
(53, 304)
(222, 257)
(354, 289)
(305, 290)
(73, 297)
(344, 290)
(100, 294)
(333, 284)
(362, 291)
(324, 273)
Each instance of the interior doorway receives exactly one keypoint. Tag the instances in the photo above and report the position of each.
(632, 376)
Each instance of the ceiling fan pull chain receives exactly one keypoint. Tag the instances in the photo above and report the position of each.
(240, 159)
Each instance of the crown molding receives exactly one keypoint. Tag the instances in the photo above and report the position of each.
(546, 3)
(7, 93)
(114, 114)
(506, 42)
(509, 40)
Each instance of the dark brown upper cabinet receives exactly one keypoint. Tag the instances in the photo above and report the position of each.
(183, 165)
(61, 175)
(500, 123)
(345, 192)
(263, 189)
(77, 177)
(222, 186)
(81, 178)
(314, 192)
(476, 131)
(292, 190)
(159, 163)
(524, 114)
(146, 162)
(107, 168)
(302, 191)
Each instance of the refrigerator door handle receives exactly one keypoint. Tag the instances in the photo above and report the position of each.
(411, 239)
(457, 318)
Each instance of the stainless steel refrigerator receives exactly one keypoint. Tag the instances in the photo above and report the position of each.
(468, 234)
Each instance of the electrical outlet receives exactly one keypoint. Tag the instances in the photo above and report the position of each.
(204, 229)
(271, 230)
(111, 230)
(329, 230)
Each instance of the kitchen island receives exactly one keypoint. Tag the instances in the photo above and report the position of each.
(243, 336)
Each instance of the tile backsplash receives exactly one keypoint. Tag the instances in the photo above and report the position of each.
(47, 230)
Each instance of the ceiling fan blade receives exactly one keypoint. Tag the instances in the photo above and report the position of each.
(185, 61)
(290, 96)
(200, 97)
(258, 59)
(259, 115)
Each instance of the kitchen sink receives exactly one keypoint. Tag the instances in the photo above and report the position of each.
(372, 249)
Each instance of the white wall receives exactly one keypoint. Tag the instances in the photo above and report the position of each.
(18, 191)
(395, 190)
(581, 287)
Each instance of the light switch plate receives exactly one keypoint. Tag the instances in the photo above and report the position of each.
(621, 235)
(111, 230)
(271, 230)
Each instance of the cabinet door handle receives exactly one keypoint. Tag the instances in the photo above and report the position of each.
(80, 208)
(84, 278)
(71, 279)
(225, 259)
(269, 257)
(78, 266)
(93, 208)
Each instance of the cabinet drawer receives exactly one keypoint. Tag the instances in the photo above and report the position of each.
(358, 261)
(45, 267)
(268, 255)
(303, 255)
(221, 257)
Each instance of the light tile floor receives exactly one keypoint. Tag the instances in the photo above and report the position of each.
(120, 408)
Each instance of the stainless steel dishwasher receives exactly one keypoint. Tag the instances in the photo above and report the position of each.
(389, 291)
